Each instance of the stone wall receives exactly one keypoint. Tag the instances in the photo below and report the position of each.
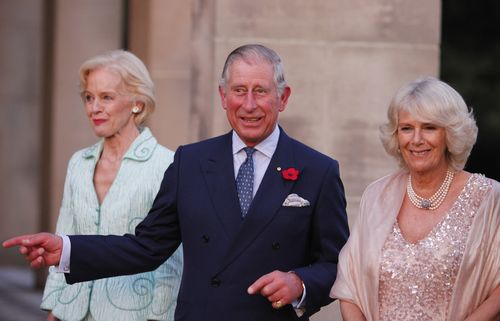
(343, 59)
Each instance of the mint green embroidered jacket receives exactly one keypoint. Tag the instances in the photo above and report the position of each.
(139, 297)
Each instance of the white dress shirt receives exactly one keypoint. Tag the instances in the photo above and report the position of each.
(261, 157)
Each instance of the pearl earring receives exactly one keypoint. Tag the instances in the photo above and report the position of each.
(136, 110)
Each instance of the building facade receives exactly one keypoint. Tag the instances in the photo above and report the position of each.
(343, 59)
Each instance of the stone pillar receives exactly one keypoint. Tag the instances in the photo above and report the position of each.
(160, 34)
(21, 35)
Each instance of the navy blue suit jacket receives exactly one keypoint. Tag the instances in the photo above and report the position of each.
(223, 253)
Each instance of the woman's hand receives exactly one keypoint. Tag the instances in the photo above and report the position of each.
(351, 312)
(51, 317)
(489, 310)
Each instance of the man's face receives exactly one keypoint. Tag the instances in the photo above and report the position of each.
(251, 101)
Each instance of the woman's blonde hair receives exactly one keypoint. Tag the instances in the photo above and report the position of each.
(432, 101)
(134, 76)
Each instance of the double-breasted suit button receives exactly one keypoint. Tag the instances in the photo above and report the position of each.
(276, 245)
(205, 238)
(215, 282)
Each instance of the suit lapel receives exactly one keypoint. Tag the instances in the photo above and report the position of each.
(218, 170)
(268, 200)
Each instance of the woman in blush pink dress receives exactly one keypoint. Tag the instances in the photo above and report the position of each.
(426, 244)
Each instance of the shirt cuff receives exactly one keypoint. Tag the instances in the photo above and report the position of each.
(299, 305)
(63, 266)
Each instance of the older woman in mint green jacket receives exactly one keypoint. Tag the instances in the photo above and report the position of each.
(109, 189)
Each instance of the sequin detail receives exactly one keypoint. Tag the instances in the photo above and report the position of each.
(416, 280)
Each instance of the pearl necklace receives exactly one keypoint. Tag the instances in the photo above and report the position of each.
(435, 200)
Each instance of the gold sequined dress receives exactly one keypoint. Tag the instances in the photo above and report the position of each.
(417, 279)
(444, 276)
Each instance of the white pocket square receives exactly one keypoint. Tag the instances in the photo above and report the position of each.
(294, 200)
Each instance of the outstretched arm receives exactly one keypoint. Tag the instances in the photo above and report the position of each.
(41, 249)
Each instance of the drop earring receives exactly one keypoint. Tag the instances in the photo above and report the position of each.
(136, 110)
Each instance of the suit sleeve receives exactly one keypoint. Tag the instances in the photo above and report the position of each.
(328, 235)
(156, 238)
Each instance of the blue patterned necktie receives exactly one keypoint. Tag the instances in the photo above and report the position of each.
(244, 182)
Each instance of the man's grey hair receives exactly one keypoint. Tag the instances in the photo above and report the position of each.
(250, 54)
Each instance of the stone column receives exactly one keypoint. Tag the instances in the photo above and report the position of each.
(160, 34)
(21, 65)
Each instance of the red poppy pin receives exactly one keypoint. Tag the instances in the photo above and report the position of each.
(290, 174)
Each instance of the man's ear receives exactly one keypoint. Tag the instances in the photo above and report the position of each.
(222, 95)
(287, 91)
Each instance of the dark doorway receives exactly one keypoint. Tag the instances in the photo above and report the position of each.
(470, 62)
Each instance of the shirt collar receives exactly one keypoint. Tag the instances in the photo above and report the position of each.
(266, 147)
(141, 149)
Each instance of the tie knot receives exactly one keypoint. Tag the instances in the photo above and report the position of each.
(249, 151)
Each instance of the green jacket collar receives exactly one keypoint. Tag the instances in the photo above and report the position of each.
(141, 149)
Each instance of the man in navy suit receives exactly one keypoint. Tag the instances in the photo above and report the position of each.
(262, 251)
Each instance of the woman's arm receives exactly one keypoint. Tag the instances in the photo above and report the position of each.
(51, 317)
(489, 310)
(351, 312)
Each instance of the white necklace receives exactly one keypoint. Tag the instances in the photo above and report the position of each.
(435, 200)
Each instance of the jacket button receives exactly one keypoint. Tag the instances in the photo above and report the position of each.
(215, 282)
(276, 246)
(205, 238)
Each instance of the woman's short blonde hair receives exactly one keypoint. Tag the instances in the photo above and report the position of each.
(432, 101)
(134, 75)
